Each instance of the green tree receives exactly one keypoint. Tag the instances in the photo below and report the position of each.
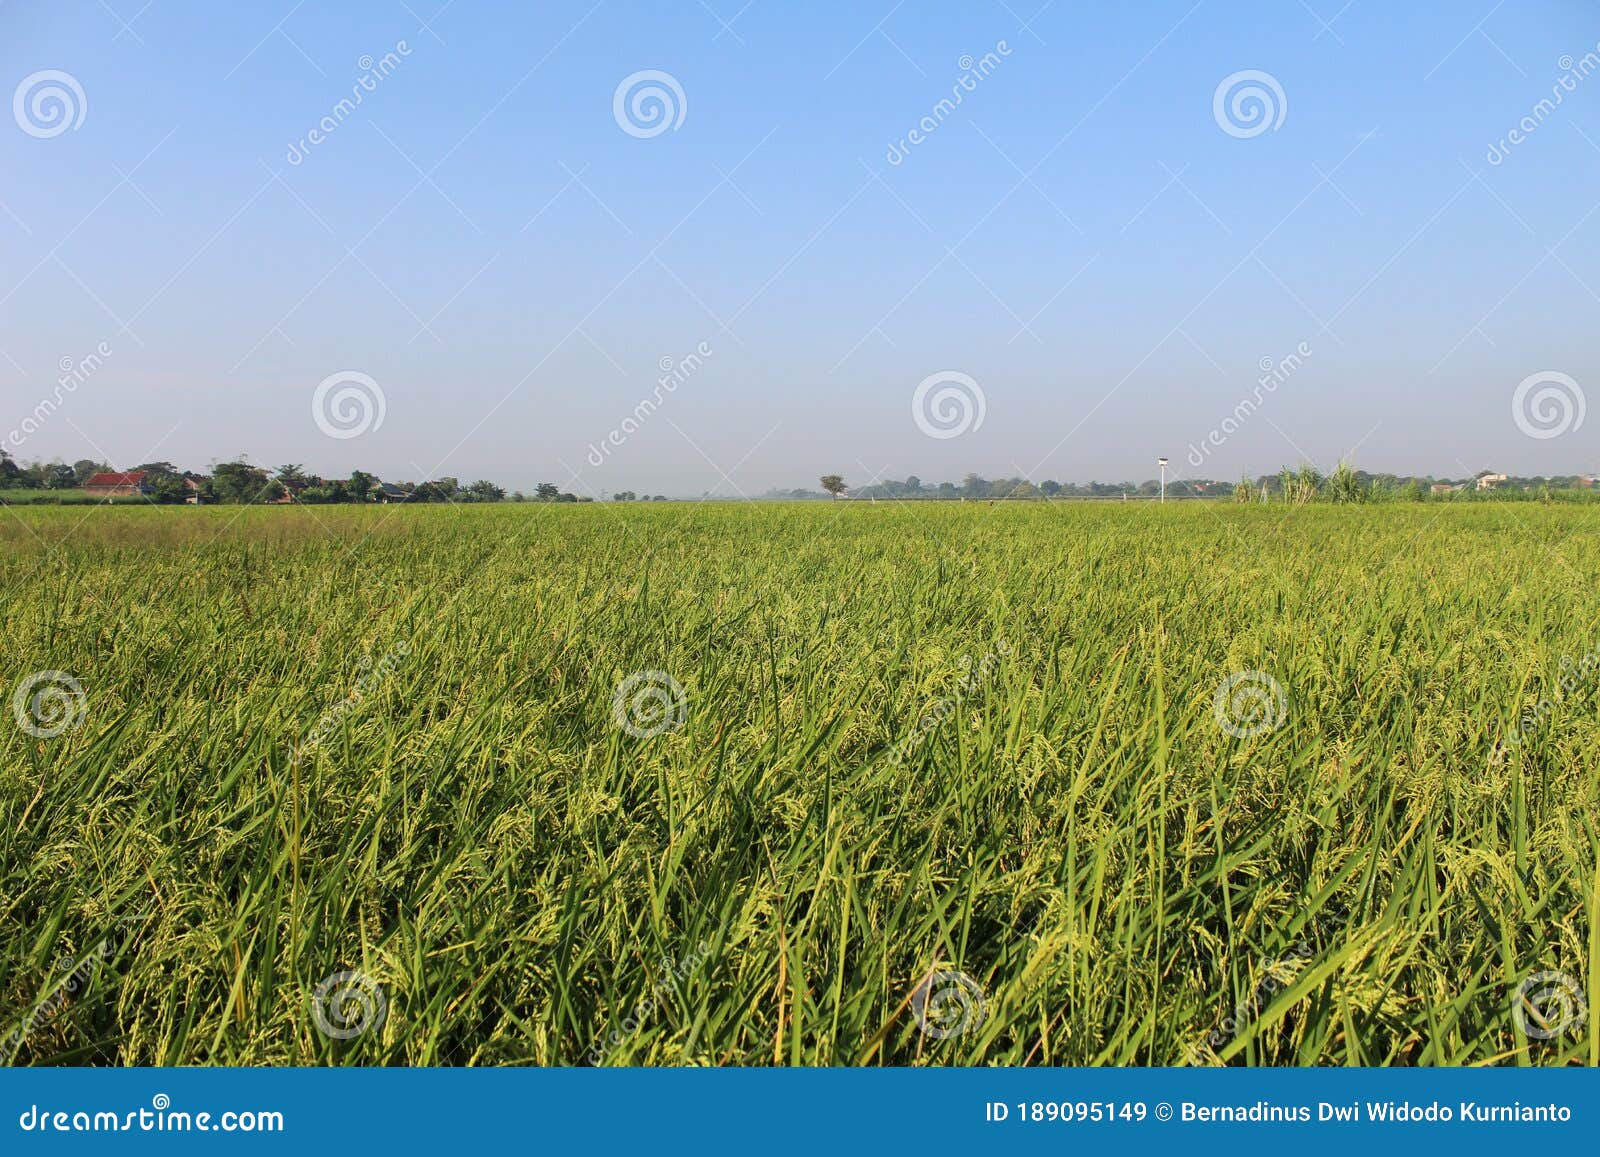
(547, 492)
(833, 484)
(59, 476)
(240, 482)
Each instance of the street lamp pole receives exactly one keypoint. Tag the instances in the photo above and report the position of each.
(1162, 462)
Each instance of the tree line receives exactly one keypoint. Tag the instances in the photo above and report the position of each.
(241, 482)
(1305, 484)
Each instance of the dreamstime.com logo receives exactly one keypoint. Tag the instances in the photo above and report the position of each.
(160, 1117)
(673, 374)
(348, 404)
(1250, 703)
(1273, 375)
(74, 372)
(948, 1004)
(348, 1004)
(1248, 103)
(1548, 1004)
(948, 404)
(49, 703)
(48, 103)
(1547, 404)
(647, 703)
(648, 103)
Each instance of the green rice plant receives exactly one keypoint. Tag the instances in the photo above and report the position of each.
(842, 784)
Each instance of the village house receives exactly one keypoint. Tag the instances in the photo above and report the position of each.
(1488, 481)
(114, 484)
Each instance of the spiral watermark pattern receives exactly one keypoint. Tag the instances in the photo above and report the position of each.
(48, 103)
(948, 404)
(1548, 404)
(648, 103)
(48, 704)
(948, 1004)
(1548, 1004)
(347, 1004)
(1248, 103)
(647, 703)
(1250, 703)
(348, 404)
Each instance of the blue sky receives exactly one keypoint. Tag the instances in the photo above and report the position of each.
(1080, 237)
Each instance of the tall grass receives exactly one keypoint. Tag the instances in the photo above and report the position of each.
(771, 881)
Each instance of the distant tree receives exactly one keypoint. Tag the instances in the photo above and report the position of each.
(547, 492)
(156, 468)
(624, 496)
(85, 468)
(293, 478)
(659, 498)
(913, 485)
(484, 491)
(360, 485)
(59, 476)
(1049, 488)
(240, 482)
(833, 484)
(168, 488)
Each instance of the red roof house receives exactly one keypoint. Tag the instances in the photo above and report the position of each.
(127, 484)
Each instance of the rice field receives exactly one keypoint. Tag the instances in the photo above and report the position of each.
(850, 784)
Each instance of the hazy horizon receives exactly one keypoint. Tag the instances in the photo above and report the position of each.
(1096, 249)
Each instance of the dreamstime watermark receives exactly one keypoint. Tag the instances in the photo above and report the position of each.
(649, 102)
(1276, 975)
(49, 703)
(948, 404)
(673, 374)
(1248, 103)
(973, 72)
(948, 1003)
(972, 678)
(1573, 674)
(1572, 74)
(48, 103)
(647, 703)
(78, 974)
(1250, 703)
(1548, 1004)
(673, 974)
(372, 73)
(74, 373)
(1273, 375)
(372, 674)
(1548, 404)
(346, 1005)
(348, 404)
